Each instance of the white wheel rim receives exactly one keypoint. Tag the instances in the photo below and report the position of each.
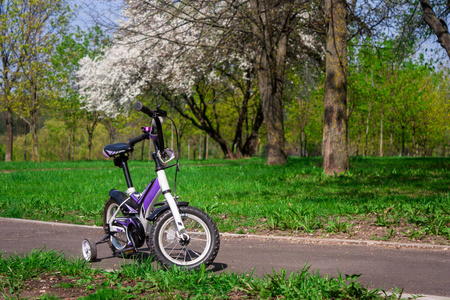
(110, 212)
(185, 255)
(87, 251)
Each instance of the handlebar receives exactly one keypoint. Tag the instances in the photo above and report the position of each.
(154, 114)
(137, 139)
(138, 106)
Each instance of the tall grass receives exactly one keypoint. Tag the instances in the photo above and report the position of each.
(246, 193)
(141, 279)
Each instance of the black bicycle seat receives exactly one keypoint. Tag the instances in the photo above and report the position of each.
(115, 149)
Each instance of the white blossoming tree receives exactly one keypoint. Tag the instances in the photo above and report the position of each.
(190, 83)
(183, 45)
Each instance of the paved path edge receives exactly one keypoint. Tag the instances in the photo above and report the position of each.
(290, 239)
(287, 238)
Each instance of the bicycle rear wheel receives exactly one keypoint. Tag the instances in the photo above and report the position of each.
(117, 241)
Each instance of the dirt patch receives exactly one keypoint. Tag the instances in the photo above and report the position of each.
(62, 287)
(363, 228)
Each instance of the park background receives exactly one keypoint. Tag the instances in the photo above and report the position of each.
(397, 89)
(71, 72)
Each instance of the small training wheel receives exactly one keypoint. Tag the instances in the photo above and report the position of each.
(89, 250)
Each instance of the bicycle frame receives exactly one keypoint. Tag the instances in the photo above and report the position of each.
(144, 219)
(147, 199)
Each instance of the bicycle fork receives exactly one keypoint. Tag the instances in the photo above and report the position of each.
(164, 185)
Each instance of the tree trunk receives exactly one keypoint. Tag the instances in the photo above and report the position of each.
(35, 147)
(73, 144)
(403, 140)
(273, 115)
(373, 143)
(9, 136)
(200, 147)
(270, 92)
(335, 150)
(270, 68)
(25, 146)
(249, 148)
(391, 137)
(415, 143)
(358, 140)
(69, 147)
(302, 141)
(189, 148)
(381, 131)
(35, 156)
(90, 127)
(243, 114)
(205, 146)
(367, 128)
(439, 27)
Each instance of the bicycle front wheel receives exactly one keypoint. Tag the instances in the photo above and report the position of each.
(199, 246)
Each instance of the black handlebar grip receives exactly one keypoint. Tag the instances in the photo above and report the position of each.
(138, 106)
(137, 139)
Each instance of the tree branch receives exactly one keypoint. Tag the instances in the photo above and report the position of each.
(438, 26)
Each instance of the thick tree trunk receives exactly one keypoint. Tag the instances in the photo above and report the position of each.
(270, 68)
(335, 150)
(439, 27)
(237, 142)
(9, 136)
(270, 87)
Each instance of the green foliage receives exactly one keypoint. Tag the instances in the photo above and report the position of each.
(396, 105)
(56, 145)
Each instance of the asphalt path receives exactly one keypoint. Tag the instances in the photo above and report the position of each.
(419, 270)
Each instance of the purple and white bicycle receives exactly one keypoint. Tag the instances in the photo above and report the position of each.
(176, 233)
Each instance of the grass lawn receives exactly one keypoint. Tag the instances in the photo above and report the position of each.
(396, 199)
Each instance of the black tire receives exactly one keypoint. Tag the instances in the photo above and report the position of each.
(201, 248)
(89, 250)
(110, 207)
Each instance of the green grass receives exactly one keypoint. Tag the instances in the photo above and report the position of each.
(247, 195)
(25, 276)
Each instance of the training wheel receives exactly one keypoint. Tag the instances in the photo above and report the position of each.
(89, 250)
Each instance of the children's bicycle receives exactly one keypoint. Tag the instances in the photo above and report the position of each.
(176, 233)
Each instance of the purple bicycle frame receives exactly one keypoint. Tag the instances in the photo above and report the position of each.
(150, 193)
